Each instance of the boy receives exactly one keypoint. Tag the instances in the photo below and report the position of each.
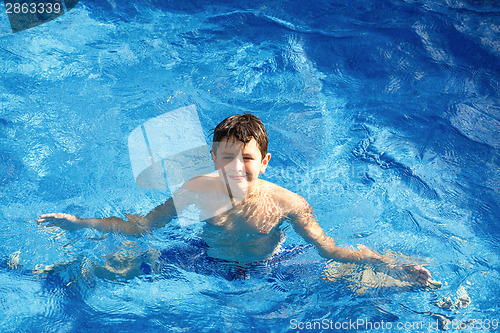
(243, 213)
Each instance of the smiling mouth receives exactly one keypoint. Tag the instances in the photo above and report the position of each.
(237, 177)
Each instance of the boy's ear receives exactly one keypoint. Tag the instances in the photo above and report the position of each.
(214, 159)
(265, 162)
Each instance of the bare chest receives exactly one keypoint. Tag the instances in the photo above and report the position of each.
(253, 215)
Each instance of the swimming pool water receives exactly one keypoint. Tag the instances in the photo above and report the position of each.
(384, 115)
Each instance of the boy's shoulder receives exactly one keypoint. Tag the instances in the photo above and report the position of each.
(290, 202)
(203, 183)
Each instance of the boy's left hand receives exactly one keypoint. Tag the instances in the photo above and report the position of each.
(411, 273)
(417, 273)
(408, 272)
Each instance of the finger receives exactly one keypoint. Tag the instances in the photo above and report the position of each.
(423, 269)
(53, 216)
(44, 220)
(50, 220)
(47, 218)
(423, 280)
(49, 215)
(46, 224)
(425, 274)
(424, 283)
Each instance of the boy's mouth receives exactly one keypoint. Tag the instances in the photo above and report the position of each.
(237, 178)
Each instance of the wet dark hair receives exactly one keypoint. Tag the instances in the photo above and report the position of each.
(243, 127)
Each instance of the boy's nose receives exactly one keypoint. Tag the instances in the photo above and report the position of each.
(237, 164)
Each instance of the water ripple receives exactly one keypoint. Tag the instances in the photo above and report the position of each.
(367, 151)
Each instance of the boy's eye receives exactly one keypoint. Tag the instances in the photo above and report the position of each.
(230, 158)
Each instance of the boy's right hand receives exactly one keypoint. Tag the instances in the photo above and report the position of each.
(64, 221)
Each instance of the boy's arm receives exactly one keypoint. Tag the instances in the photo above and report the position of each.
(305, 225)
(136, 224)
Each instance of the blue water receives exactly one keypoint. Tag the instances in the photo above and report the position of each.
(384, 115)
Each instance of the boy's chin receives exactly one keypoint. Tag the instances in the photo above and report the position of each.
(241, 188)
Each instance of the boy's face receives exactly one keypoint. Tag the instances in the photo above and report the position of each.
(239, 164)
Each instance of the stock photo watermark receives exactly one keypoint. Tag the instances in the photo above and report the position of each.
(414, 326)
(318, 180)
(26, 14)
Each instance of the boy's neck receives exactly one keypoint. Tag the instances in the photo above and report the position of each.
(249, 192)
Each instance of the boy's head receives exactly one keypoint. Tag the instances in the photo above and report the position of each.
(243, 127)
(239, 151)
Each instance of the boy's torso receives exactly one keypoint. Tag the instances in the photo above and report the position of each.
(245, 230)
